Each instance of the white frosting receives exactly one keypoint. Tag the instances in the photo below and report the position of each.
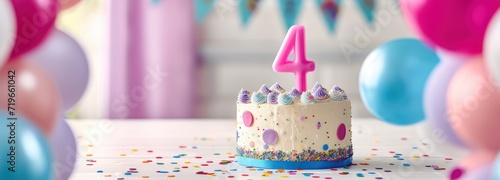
(295, 132)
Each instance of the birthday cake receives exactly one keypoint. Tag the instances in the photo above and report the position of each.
(289, 130)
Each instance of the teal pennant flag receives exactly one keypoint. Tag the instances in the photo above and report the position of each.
(367, 7)
(203, 8)
(247, 9)
(290, 10)
(155, 1)
(329, 10)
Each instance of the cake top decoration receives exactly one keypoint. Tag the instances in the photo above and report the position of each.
(243, 96)
(272, 98)
(285, 99)
(244, 92)
(338, 93)
(295, 93)
(307, 98)
(300, 66)
(320, 94)
(258, 98)
(264, 90)
(316, 86)
(276, 87)
(277, 95)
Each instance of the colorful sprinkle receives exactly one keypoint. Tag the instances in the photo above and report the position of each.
(338, 154)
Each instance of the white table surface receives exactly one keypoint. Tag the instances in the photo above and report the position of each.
(115, 146)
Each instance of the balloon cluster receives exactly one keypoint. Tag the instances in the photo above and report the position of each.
(450, 78)
(43, 74)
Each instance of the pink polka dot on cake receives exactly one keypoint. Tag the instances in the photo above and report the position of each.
(270, 136)
(341, 131)
(247, 118)
(252, 144)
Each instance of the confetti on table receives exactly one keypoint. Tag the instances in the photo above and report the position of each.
(215, 158)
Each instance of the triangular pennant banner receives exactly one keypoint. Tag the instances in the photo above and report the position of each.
(155, 1)
(203, 7)
(290, 10)
(367, 8)
(329, 9)
(247, 9)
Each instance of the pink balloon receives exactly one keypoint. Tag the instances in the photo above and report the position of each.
(35, 19)
(36, 96)
(66, 4)
(473, 106)
(455, 25)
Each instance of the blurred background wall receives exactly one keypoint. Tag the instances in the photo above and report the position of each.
(230, 56)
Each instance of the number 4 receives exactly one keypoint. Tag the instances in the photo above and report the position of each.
(300, 66)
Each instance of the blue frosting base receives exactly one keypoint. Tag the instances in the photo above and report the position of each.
(268, 164)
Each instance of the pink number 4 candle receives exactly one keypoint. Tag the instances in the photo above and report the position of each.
(300, 66)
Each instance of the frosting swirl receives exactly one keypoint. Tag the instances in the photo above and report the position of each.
(258, 98)
(277, 95)
(264, 90)
(316, 87)
(276, 87)
(338, 93)
(272, 98)
(294, 93)
(285, 99)
(244, 91)
(307, 98)
(321, 94)
(243, 96)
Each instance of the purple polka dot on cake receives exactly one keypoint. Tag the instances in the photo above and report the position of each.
(270, 136)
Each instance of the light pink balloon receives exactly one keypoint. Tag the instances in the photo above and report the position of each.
(36, 96)
(473, 106)
(66, 4)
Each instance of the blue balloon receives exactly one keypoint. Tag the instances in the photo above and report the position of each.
(495, 171)
(24, 151)
(392, 80)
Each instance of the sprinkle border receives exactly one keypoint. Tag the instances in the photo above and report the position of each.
(338, 154)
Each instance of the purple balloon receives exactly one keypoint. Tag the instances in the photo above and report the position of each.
(483, 172)
(64, 149)
(65, 61)
(435, 96)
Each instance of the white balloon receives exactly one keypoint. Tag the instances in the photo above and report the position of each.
(7, 30)
(492, 47)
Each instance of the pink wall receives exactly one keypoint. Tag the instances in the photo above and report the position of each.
(153, 64)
